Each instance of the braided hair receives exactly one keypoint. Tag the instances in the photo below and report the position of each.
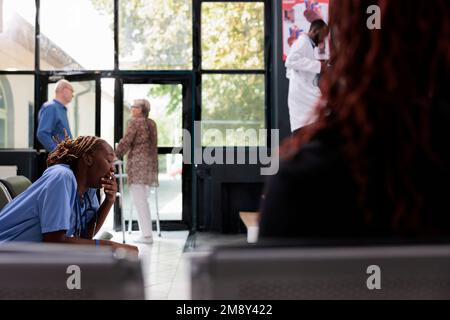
(69, 150)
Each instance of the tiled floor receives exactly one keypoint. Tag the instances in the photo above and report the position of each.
(164, 265)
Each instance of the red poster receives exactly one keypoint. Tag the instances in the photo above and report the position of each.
(296, 14)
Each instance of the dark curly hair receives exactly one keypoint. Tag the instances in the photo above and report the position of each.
(379, 94)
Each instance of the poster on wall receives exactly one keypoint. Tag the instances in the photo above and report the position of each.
(296, 14)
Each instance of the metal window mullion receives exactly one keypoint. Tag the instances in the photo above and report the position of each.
(116, 35)
(37, 70)
(268, 102)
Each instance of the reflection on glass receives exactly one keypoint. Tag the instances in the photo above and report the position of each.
(17, 111)
(233, 110)
(155, 34)
(81, 111)
(2, 99)
(107, 118)
(2, 132)
(77, 35)
(166, 109)
(232, 35)
(168, 195)
(17, 32)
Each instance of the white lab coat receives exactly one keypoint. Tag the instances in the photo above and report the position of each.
(304, 93)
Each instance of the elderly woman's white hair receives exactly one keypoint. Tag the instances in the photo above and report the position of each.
(144, 104)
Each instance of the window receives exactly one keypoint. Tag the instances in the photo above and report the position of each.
(3, 116)
(233, 109)
(170, 194)
(107, 112)
(193, 59)
(16, 95)
(233, 74)
(2, 99)
(17, 34)
(77, 35)
(155, 34)
(232, 35)
(2, 133)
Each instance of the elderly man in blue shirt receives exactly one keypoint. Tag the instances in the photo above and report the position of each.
(53, 117)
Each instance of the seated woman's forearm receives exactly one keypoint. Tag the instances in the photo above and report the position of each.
(60, 237)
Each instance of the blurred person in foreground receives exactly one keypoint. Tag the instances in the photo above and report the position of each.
(377, 161)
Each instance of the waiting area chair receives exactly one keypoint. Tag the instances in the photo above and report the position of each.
(5, 197)
(328, 273)
(11, 188)
(16, 185)
(62, 272)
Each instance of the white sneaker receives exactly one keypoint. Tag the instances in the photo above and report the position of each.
(146, 240)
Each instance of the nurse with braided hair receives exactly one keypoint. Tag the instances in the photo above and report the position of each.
(62, 205)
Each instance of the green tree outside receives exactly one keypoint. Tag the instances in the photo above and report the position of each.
(157, 35)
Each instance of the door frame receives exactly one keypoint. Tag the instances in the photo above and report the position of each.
(184, 79)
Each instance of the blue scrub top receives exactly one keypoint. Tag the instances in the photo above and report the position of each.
(50, 204)
(52, 122)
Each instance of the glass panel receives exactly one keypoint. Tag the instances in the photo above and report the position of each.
(107, 113)
(2, 99)
(2, 133)
(18, 111)
(77, 35)
(81, 111)
(234, 103)
(17, 33)
(232, 35)
(169, 194)
(155, 34)
(166, 109)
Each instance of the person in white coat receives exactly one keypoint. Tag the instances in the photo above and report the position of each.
(303, 71)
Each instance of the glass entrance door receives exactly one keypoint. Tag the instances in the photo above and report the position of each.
(170, 109)
(100, 107)
(167, 112)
